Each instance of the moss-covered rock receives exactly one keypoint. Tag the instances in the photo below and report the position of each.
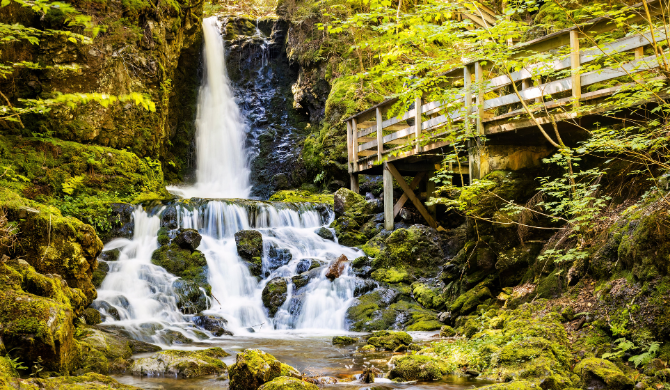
(188, 239)
(597, 373)
(274, 294)
(428, 297)
(390, 308)
(344, 340)
(468, 302)
(447, 331)
(92, 316)
(417, 367)
(90, 381)
(250, 248)
(288, 383)
(181, 364)
(299, 196)
(254, 367)
(106, 351)
(389, 340)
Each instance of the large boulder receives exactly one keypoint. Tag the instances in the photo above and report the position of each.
(188, 239)
(418, 246)
(389, 340)
(181, 364)
(107, 351)
(288, 383)
(274, 294)
(250, 248)
(90, 381)
(278, 257)
(417, 367)
(599, 374)
(337, 268)
(346, 200)
(254, 367)
(213, 323)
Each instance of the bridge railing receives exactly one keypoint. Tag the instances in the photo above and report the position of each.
(372, 138)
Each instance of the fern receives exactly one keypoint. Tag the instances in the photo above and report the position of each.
(70, 185)
(622, 347)
(646, 357)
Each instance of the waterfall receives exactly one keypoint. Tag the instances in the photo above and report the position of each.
(222, 170)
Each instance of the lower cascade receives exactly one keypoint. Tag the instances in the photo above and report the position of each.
(144, 298)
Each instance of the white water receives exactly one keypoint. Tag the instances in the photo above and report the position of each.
(222, 170)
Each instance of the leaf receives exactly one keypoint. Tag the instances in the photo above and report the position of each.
(5, 3)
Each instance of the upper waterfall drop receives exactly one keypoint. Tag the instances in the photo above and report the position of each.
(222, 168)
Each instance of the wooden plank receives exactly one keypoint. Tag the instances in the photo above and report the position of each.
(467, 96)
(410, 194)
(399, 134)
(366, 153)
(575, 66)
(430, 192)
(397, 126)
(354, 138)
(380, 134)
(395, 119)
(367, 124)
(362, 140)
(368, 131)
(350, 148)
(387, 181)
(413, 185)
(479, 79)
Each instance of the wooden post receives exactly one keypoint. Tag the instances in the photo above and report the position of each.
(467, 96)
(353, 181)
(418, 102)
(479, 79)
(639, 52)
(354, 141)
(380, 135)
(403, 198)
(430, 192)
(387, 181)
(410, 194)
(349, 148)
(575, 65)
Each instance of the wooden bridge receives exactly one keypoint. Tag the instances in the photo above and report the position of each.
(413, 143)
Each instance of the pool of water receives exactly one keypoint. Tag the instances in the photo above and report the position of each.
(313, 355)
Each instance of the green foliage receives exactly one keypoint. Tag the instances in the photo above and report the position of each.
(624, 346)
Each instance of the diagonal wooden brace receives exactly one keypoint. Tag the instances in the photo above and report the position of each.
(410, 194)
(413, 185)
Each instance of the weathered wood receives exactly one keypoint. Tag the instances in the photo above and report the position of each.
(575, 67)
(413, 185)
(410, 194)
(353, 181)
(418, 120)
(354, 139)
(380, 135)
(350, 148)
(479, 79)
(467, 96)
(430, 192)
(362, 140)
(387, 182)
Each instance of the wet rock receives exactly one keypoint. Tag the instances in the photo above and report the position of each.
(213, 323)
(163, 237)
(337, 268)
(447, 331)
(191, 296)
(169, 217)
(362, 266)
(369, 374)
(389, 340)
(106, 309)
(254, 367)
(305, 265)
(109, 255)
(274, 294)
(249, 244)
(325, 233)
(121, 221)
(321, 380)
(344, 340)
(345, 199)
(602, 374)
(174, 337)
(288, 383)
(417, 367)
(300, 281)
(90, 381)
(418, 247)
(364, 286)
(92, 316)
(107, 351)
(188, 239)
(100, 273)
(181, 364)
(278, 257)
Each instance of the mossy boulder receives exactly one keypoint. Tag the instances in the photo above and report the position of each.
(344, 340)
(597, 373)
(346, 200)
(288, 383)
(467, 302)
(299, 196)
(447, 331)
(386, 308)
(181, 364)
(428, 297)
(92, 316)
(250, 248)
(389, 340)
(347, 231)
(211, 322)
(254, 367)
(274, 294)
(188, 239)
(106, 351)
(417, 367)
(90, 381)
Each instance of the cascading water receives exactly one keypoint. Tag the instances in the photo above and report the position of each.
(222, 170)
(144, 298)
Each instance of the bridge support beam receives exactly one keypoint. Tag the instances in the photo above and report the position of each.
(487, 158)
(353, 182)
(388, 167)
(387, 181)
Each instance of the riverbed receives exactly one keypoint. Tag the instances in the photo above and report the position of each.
(312, 354)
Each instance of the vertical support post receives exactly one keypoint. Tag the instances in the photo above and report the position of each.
(418, 102)
(387, 181)
(467, 97)
(479, 79)
(639, 52)
(380, 135)
(354, 141)
(349, 148)
(430, 192)
(353, 182)
(575, 65)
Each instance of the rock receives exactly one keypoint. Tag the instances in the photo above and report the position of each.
(249, 245)
(447, 331)
(274, 294)
(181, 364)
(170, 217)
(337, 268)
(389, 340)
(344, 340)
(428, 297)
(288, 383)
(369, 374)
(121, 221)
(419, 246)
(364, 286)
(109, 255)
(90, 381)
(367, 348)
(321, 380)
(345, 199)
(163, 237)
(417, 367)
(174, 337)
(325, 233)
(568, 313)
(472, 373)
(213, 323)
(188, 239)
(444, 317)
(278, 257)
(192, 288)
(92, 316)
(300, 281)
(107, 351)
(99, 274)
(192, 296)
(602, 374)
(254, 367)
(106, 309)
(305, 265)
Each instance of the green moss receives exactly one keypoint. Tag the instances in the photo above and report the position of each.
(605, 371)
(391, 275)
(288, 383)
(90, 381)
(417, 367)
(299, 196)
(447, 331)
(419, 326)
(254, 367)
(427, 297)
(184, 364)
(389, 340)
(344, 340)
